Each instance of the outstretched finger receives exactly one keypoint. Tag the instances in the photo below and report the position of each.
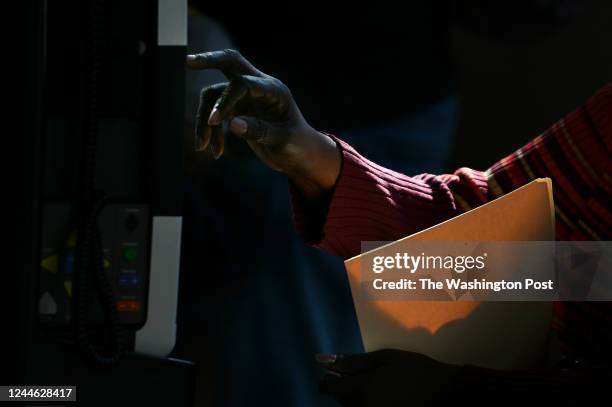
(228, 61)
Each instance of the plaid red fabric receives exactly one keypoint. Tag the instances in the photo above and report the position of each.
(371, 203)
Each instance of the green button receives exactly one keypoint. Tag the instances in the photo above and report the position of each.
(130, 253)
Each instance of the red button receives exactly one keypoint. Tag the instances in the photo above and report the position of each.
(128, 306)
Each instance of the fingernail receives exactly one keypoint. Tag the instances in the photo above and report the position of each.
(326, 358)
(238, 126)
(191, 58)
(214, 118)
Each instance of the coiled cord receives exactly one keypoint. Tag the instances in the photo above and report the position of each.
(89, 259)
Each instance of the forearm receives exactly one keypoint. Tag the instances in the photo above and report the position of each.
(318, 162)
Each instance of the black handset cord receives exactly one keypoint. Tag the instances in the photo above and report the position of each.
(89, 259)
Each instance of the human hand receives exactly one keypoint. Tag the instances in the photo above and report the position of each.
(260, 109)
(385, 378)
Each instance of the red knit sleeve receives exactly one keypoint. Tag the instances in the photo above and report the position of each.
(372, 203)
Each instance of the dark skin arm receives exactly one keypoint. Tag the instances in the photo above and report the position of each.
(260, 109)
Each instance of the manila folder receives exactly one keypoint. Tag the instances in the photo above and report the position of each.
(489, 334)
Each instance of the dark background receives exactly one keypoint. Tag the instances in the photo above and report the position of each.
(510, 93)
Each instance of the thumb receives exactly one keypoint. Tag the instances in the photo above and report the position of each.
(351, 364)
(254, 129)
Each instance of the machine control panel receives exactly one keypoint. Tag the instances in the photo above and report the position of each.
(124, 229)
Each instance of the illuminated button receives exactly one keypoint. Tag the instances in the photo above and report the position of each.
(106, 264)
(49, 263)
(127, 280)
(46, 304)
(68, 287)
(68, 262)
(128, 306)
(130, 253)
